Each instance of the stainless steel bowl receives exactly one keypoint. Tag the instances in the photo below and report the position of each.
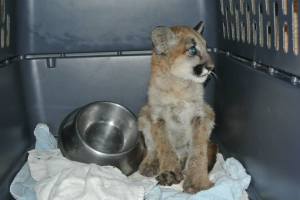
(104, 133)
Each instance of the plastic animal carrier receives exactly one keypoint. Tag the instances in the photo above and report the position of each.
(57, 55)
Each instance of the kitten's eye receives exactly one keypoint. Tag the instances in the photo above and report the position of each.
(192, 51)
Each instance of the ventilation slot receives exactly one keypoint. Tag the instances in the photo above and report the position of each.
(227, 23)
(222, 6)
(237, 23)
(295, 27)
(285, 6)
(267, 4)
(286, 38)
(253, 3)
(269, 35)
(261, 26)
(224, 30)
(7, 31)
(242, 6)
(2, 10)
(243, 32)
(248, 24)
(276, 26)
(2, 21)
(2, 37)
(231, 6)
(232, 31)
(254, 28)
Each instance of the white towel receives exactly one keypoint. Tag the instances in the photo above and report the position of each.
(61, 179)
(54, 177)
(22, 187)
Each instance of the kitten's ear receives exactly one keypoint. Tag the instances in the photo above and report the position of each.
(200, 27)
(163, 39)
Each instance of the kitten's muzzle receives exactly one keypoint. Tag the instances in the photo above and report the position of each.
(198, 70)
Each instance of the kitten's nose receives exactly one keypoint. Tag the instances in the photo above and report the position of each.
(209, 67)
(199, 69)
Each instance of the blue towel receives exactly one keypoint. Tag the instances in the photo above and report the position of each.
(22, 187)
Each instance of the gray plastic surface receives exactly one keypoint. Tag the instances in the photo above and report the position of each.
(51, 93)
(53, 26)
(257, 119)
(15, 137)
(257, 114)
(258, 123)
(7, 29)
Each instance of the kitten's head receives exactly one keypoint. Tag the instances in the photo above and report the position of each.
(181, 51)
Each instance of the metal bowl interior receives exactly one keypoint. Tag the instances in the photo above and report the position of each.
(107, 127)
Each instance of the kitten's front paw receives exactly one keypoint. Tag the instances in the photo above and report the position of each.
(149, 169)
(194, 186)
(169, 178)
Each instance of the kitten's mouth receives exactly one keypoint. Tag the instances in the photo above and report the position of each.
(204, 75)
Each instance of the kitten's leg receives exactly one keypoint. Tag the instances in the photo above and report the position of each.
(150, 164)
(212, 152)
(170, 171)
(197, 166)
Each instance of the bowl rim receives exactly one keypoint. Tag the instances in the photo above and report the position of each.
(82, 109)
(68, 118)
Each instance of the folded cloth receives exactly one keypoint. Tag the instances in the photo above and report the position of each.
(59, 178)
(22, 187)
(48, 175)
